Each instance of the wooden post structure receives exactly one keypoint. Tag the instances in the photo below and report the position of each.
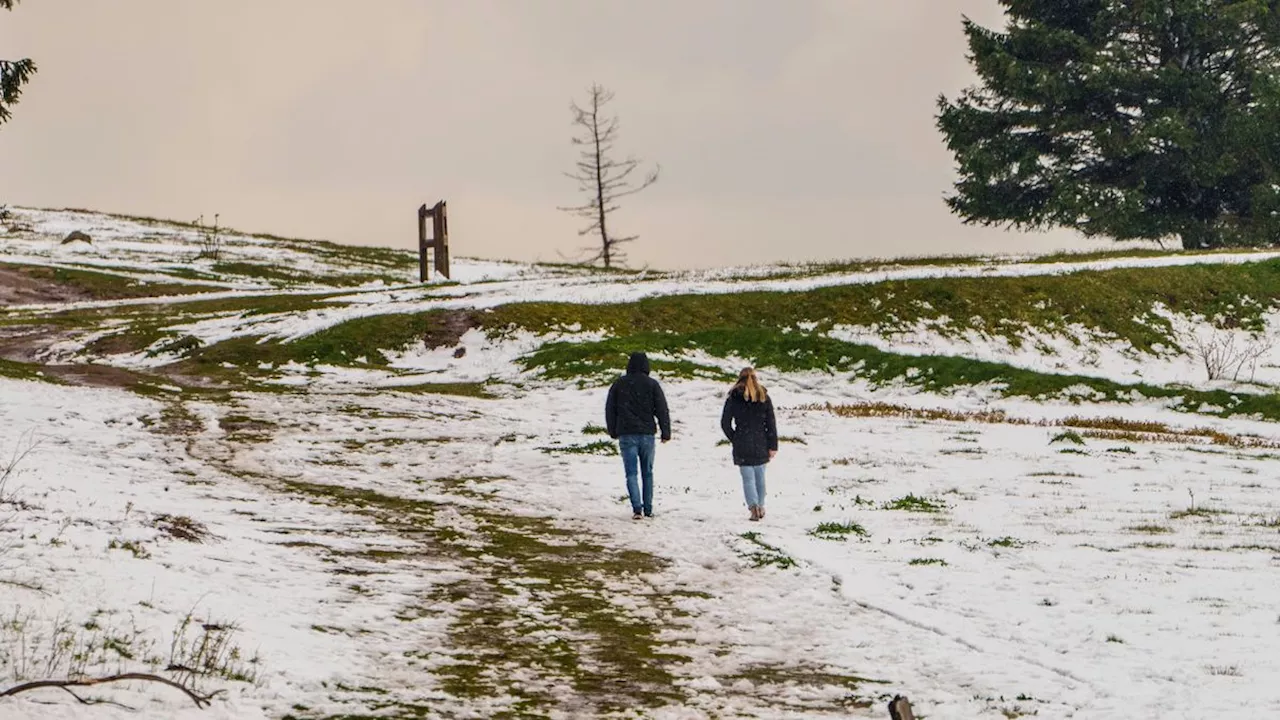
(439, 241)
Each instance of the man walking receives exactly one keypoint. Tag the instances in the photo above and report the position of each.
(635, 401)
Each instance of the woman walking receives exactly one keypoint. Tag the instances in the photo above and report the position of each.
(749, 424)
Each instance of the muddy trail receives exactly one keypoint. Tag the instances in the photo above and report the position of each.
(512, 614)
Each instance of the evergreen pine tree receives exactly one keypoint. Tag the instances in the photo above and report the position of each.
(13, 75)
(1129, 119)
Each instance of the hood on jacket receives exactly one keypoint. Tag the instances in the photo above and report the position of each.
(638, 363)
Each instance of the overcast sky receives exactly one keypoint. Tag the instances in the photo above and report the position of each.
(786, 129)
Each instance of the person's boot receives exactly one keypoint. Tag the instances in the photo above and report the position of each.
(755, 512)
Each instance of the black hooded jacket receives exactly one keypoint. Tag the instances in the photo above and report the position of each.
(750, 426)
(635, 400)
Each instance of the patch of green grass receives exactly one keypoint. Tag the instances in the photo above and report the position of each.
(270, 273)
(287, 277)
(461, 389)
(616, 645)
(615, 662)
(1150, 529)
(838, 530)
(26, 371)
(762, 554)
(242, 428)
(928, 561)
(133, 546)
(1090, 256)
(599, 447)
(596, 363)
(1113, 303)
(1196, 512)
(183, 346)
(601, 361)
(774, 682)
(106, 285)
(344, 255)
(366, 339)
(1006, 542)
(913, 503)
(593, 429)
(1070, 436)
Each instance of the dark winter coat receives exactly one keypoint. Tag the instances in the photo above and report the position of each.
(750, 426)
(635, 401)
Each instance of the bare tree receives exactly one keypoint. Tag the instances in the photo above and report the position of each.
(602, 178)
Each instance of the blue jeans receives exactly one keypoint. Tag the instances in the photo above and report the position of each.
(753, 484)
(637, 454)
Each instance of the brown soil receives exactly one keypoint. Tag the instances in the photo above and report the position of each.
(38, 284)
(19, 287)
(448, 327)
(25, 343)
(94, 375)
(28, 343)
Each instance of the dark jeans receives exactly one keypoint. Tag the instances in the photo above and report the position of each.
(637, 459)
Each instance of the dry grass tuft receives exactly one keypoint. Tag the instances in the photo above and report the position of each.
(1104, 428)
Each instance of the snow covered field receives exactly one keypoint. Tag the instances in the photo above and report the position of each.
(359, 550)
(1091, 583)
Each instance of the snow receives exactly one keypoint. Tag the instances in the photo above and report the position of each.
(994, 622)
(1078, 350)
(1054, 584)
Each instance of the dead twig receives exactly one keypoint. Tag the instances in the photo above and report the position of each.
(201, 701)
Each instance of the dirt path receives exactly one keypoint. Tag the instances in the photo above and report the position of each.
(513, 613)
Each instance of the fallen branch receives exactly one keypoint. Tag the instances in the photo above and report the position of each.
(91, 701)
(201, 701)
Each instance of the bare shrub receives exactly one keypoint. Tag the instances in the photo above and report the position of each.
(61, 653)
(210, 239)
(1108, 428)
(209, 653)
(181, 527)
(1224, 354)
(32, 647)
(9, 471)
(11, 504)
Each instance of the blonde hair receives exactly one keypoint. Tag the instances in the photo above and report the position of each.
(752, 390)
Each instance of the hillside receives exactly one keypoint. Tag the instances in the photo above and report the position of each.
(1006, 487)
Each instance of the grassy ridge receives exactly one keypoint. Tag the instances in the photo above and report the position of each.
(786, 331)
(597, 362)
(1114, 303)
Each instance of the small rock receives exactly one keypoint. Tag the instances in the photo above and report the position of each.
(460, 352)
(77, 235)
